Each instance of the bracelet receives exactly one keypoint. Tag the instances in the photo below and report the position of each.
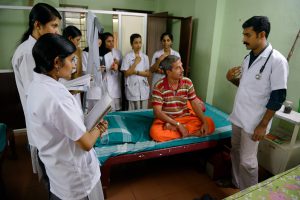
(177, 124)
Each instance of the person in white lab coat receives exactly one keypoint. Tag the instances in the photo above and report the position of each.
(262, 85)
(111, 74)
(166, 41)
(109, 44)
(57, 124)
(73, 34)
(136, 70)
(43, 19)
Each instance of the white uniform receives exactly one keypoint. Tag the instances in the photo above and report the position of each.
(84, 57)
(56, 121)
(136, 87)
(253, 94)
(117, 54)
(77, 95)
(249, 108)
(23, 65)
(156, 55)
(112, 80)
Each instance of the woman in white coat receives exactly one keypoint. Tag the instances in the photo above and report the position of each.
(57, 124)
(166, 41)
(73, 34)
(136, 70)
(43, 19)
(109, 44)
(111, 74)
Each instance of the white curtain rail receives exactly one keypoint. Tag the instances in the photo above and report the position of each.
(77, 10)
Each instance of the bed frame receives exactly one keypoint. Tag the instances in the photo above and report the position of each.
(128, 158)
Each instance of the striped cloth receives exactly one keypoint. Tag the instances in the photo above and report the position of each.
(174, 102)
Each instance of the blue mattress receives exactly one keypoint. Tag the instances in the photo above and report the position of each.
(138, 123)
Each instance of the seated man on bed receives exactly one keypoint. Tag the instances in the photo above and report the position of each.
(170, 98)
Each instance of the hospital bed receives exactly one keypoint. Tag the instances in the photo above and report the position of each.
(128, 139)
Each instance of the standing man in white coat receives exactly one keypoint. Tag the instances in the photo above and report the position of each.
(262, 85)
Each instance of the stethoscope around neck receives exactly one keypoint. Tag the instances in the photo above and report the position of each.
(258, 76)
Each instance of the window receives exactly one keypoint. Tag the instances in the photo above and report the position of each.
(77, 19)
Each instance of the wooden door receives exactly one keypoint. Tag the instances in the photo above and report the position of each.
(185, 43)
(156, 25)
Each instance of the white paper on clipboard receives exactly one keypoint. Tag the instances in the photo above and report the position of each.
(101, 108)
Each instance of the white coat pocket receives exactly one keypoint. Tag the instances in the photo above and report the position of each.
(132, 88)
(145, 90)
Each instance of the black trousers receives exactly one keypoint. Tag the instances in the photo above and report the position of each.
(44, 178)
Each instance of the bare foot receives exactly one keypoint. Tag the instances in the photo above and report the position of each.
(198, 134)
(169, 126)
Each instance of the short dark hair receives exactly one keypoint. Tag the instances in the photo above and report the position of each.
(133, 36)
(166, 63)
(72, 31)
(259, 24)
(47, 48)
(166, 34)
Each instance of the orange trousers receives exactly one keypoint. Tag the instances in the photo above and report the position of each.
(191, 123)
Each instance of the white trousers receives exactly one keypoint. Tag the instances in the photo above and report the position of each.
(243, 158)
(137, 105)
(116, 105)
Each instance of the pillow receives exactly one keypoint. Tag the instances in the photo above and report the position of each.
(129, 126)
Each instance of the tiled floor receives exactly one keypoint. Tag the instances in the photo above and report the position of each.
(174, 178)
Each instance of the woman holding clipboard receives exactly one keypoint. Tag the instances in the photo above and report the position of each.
(57, 124)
